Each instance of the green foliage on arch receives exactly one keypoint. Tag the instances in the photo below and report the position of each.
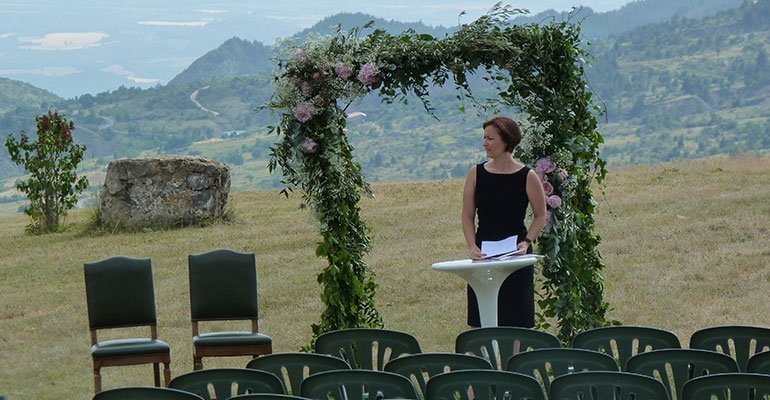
(537, 69)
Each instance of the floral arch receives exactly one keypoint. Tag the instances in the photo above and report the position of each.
(538, 69)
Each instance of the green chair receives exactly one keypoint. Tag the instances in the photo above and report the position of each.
(759, 363)
(357, 384)
(120, 294)
(498, 344)
(293, 368)
(609, 385)
(483, 385)
(227, 382)
(365, 348)
(145, 393)
(546, 364)
(419, 368)
(677, 366)
(735, 386)
(743, 338)
(266, 396)
(223, 287)
(622, 342)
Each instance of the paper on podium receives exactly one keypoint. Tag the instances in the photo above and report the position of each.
(500, 248)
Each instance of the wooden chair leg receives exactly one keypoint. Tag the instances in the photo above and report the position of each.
(156, 373)
(167, 373)
(97, 380)
(197, 363)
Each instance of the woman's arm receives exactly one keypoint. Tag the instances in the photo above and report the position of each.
(537, 201)
(469, 214)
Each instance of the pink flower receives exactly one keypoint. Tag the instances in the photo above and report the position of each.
(318, 75)
(307, 88)
(545, 165)
(548, 220)
(562, 173)
(319, 101)
(367, 74)
(300, 55)
(553, 201)
(547, 188)
(308, 145)
(343, 70)
(304, 111)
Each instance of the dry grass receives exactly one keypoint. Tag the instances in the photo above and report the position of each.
(686, 246)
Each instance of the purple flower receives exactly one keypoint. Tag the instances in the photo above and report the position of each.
(343, 70)
(548, 220)
(304, 111)
(545, 165)
(307, 88)
(547, 188)
(308, 145)
(553, 201)
(367, 73)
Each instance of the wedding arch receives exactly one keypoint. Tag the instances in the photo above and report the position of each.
(537, 69)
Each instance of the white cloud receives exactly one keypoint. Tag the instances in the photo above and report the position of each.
(117, 69)
(137, 79)
(7, 35)
(64, 41)
(46, 71)
(172, 23)
(212, 11)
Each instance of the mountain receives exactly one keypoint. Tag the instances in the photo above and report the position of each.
(235, 57)
(348, 21)
(15, 94)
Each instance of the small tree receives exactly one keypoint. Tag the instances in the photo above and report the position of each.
(53, 185)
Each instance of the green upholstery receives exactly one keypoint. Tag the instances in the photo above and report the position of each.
(224, 380)
(622, 342)
(365, 348)
(547, 364)
(291, 368)
(610, 385)
(677, 366)
(266, 396)
(145, 393)
(498, 344)
(358, 384)
(120, 294)
(743, 338)
(735, 386)
(483, 385)
(421, 367)
(759, 363)
(223, 286)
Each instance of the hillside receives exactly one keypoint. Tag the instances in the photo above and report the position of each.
(15, 94)
(234, 58)
(668, 254)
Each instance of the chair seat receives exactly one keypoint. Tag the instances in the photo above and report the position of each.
(129, 347)
(227, 339)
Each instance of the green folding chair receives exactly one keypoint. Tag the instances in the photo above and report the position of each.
(293, 368)
(746, 340)
(483, 385)
(734, 386)
(357, 384)
(227, 382)
(498, 344)
(609, 385)
(145, 393)
(419, 368)
(759, 363)
(365, 348)
(546, 364)
(622, 342)
(266, 396)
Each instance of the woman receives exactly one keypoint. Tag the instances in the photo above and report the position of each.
(499, 191)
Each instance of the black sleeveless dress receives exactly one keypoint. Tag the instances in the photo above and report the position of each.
(501, 205)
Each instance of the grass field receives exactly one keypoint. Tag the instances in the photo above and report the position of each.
(686, 246)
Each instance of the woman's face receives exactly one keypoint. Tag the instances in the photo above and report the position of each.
(493, 142)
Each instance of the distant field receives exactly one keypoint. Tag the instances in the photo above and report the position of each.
(686, 246)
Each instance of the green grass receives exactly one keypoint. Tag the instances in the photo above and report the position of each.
(686, 246)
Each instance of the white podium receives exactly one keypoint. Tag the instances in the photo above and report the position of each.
(486, 277)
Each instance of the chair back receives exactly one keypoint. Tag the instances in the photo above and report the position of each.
(622, 342)
(223, 285)
(546, 364)
(266, 396)
(357, 384)
(677, 366)
(606, 385)
(120, 293)
(483, 385)
(746, 340)
(145, 393)
(498, 344)
(734, 386)
(293, 368)
(419, 368)
(227, 382)
(759, 363)
(365, 348)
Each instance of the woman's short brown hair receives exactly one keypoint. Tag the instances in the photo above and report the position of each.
(509, 131)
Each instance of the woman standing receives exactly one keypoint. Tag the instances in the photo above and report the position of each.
(498, 191)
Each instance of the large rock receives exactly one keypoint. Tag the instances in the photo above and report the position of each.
(164, 191)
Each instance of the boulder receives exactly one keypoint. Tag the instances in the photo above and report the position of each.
(163, 191)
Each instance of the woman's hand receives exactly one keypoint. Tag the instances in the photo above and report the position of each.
(476, 253)
(523, 246)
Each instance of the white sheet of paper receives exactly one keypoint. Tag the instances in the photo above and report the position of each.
(496, 248)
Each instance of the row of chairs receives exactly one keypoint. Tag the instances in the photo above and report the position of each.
(120, 293)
